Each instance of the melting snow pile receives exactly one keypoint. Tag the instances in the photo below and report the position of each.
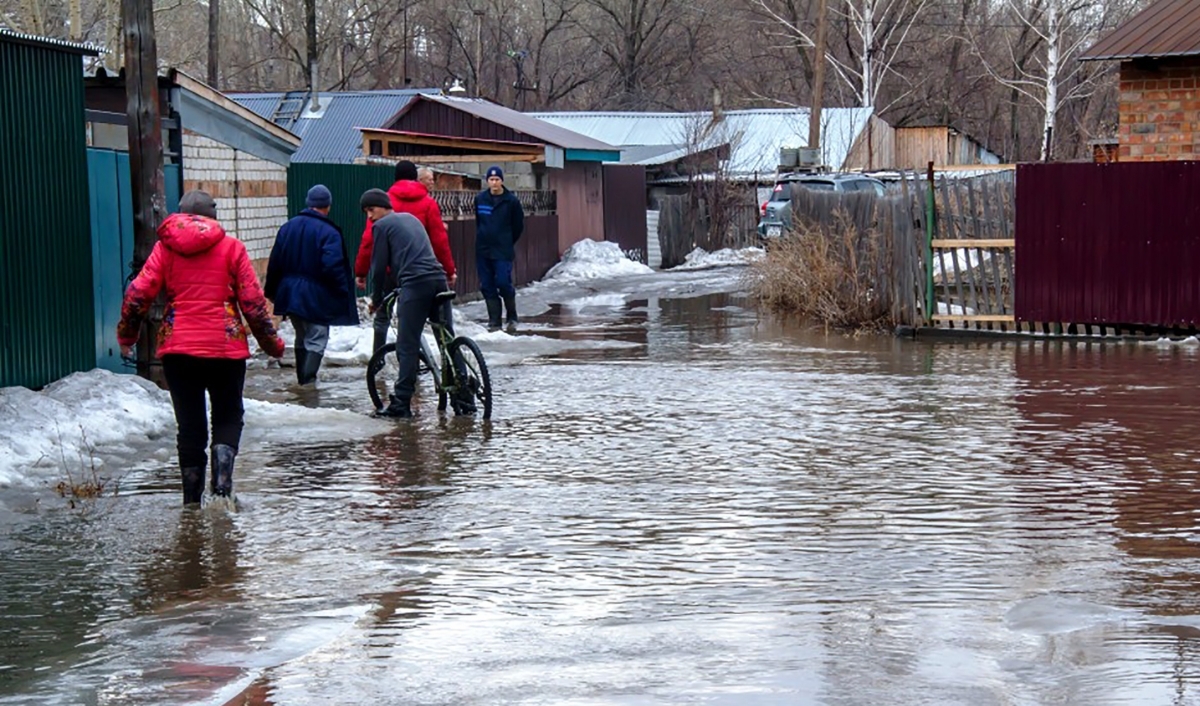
(700, 259)
(72, 421)
(590, 259)
(91, 419)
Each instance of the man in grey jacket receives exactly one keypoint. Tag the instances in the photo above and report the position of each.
(403, 259)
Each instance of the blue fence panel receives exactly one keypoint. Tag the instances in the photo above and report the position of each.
(111, 197)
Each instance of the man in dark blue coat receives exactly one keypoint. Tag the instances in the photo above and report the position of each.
(310, 281)
(499, 222)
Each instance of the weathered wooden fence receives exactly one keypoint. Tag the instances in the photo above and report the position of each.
(940, 255)
(686, 222)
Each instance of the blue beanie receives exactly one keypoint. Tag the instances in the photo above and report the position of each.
(495, 171)
(319, 197)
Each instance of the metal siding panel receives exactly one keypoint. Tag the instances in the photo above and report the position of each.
(1108, 243)
(46, 265)
(625, 207)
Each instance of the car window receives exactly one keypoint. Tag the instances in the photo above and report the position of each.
(817, 185)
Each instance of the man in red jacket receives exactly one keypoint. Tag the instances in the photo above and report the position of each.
(408, 195)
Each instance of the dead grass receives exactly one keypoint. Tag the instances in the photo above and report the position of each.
(831, 277)
(81, 478)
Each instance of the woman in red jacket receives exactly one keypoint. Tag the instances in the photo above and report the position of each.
(210, 286)
(408, 195)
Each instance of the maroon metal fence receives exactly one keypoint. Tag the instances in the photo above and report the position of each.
(537, 252)
(1111, 244)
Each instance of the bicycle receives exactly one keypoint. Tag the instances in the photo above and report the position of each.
(461, 362)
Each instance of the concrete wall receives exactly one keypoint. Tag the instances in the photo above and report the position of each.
(1160, 111)
(251, 193)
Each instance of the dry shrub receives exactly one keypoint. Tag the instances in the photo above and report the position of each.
(830, 276)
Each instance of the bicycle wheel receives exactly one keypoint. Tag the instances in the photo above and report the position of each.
(381, 375)
(383, 369)
(478, 380)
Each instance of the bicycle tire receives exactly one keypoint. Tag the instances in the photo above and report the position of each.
(476, 368)
(379, 361)
(374, 366)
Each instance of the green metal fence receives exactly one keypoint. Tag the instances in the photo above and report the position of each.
(346, 182)
(46, 303)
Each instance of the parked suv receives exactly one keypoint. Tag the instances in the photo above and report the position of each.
(777, 212)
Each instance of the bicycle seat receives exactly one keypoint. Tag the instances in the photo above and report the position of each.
(446, 296)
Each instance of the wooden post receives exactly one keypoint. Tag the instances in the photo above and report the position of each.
(930, 226)
(214, 43)
(145, 150)
(814, 114)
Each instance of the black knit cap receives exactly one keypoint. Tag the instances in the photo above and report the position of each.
(406, 171)
(375, 197)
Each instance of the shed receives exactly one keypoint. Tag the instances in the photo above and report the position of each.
(1159, 106)
(916, 147)
(46, 299)
(471, 133)
(221, 146)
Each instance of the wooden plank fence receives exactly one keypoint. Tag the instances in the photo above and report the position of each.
(941, 256)
(686, 222)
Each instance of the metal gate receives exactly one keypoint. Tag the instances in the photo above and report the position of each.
(111, 201)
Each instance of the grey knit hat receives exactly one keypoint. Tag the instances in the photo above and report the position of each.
(374, 197)
(198, 202)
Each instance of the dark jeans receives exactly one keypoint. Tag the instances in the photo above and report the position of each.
(495, 277)
(414, 305)
(188, 378)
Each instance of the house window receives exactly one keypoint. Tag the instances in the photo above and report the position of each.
(394, 149)
(376, 147)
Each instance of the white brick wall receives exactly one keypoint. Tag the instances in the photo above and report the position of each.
(232, 176)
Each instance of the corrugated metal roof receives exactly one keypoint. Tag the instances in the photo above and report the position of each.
(1166, 28)
(755, 136)
(549, 132)
(49, 42)
(333, 135)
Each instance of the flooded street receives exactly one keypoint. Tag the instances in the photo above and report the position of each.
(680, 500)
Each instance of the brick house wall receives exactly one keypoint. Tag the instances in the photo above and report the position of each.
(251, 193)
(1160, 110)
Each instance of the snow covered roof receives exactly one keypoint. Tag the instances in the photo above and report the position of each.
(755, 136)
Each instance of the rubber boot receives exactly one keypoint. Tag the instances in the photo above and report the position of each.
(308, 372)
(510, 306)
(397, 409)
(223, 456)
(193, 484)
(301, 361)
(493, 307)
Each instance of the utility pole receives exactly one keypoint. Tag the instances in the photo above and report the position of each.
(214, 44)
(310, 31)
(145, 151)
(479, 53)
(814, 114)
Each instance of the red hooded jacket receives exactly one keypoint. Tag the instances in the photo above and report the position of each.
(411, 197)
(210, 285)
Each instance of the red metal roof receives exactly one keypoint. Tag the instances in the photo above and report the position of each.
(1166, 28)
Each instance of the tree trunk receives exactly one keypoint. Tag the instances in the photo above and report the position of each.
(214, 43)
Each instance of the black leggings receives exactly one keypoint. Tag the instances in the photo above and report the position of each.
(188, 378)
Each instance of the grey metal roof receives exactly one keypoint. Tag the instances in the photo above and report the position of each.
(754, 136)
(547, 132)
(332, 135)
(49, 42)
(1166, 28)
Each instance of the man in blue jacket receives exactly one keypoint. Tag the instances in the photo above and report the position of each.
(499, 222)
(310, 281)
